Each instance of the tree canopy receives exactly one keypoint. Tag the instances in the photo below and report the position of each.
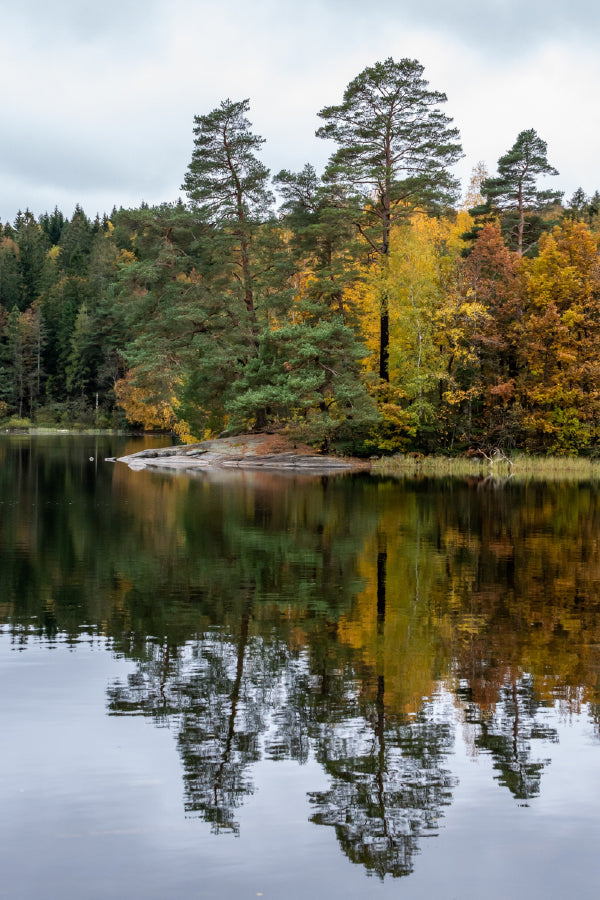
(356, 315)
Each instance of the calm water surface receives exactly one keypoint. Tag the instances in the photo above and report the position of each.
(243, 684)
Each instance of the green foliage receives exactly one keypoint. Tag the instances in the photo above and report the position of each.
(351, 318)
(308, 374)
(514, 194)
(33, 244)
(395, 145)
(225, 181)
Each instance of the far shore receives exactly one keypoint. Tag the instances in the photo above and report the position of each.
(277, 452)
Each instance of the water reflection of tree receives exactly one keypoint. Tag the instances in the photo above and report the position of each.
(388, 786)
(509, 733)
(219, 733)
(291, 616)
(215, 694)
(388, 782)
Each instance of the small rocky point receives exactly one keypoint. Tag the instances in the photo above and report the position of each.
(245, 451)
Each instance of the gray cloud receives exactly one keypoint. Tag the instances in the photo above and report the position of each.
(495, 27)
(115, 24)
(102, 95)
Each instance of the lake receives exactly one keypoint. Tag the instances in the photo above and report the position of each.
(245, 684)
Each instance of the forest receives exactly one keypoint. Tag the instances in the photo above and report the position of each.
(369, 309)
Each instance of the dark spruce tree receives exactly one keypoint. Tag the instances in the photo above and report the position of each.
(395, 148)
(76, 243)
(52, 225)
(33, 244)
(10, 275)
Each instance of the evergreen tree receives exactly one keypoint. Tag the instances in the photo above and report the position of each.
(584, 208)
(5, 365)
(228, 185)
(60, 305)
(228, 189)
(10, 278)
(395, 149)
(323, 238)
(75, 243)
(24, 339)
(169, 319)
(52, 225)
(514, 195)
(80, 368)
(33, 244)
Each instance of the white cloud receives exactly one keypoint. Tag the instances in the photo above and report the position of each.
(103, 96)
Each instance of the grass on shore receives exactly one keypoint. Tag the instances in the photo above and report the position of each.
(522, 467)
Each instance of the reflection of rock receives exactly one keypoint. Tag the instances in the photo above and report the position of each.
(242, 452)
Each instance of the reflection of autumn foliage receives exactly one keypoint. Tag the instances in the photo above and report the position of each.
(524, 591)
(389, 625)
(353, 620)
(485, 584)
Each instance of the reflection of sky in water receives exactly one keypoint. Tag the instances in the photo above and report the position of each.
(92, 805)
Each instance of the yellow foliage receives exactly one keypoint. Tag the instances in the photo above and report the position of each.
(421, 278)
(182, 430)
(53, 253)
(396, 638)
(126, 257)
(363, 300)
(141, 405)
(473, 196)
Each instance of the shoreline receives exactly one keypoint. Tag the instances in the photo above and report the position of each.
(275, 452)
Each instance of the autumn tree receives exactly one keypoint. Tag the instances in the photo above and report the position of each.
(560, 369)
(489, 284)
(473, 196)
(395, 148)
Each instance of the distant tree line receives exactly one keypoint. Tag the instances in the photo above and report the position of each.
(370, 310)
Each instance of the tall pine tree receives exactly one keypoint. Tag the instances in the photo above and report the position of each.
(514, 194)
(395, 148)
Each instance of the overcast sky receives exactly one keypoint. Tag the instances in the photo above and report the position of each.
(99, 97)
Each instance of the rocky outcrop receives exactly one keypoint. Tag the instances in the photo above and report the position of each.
(265, 452)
